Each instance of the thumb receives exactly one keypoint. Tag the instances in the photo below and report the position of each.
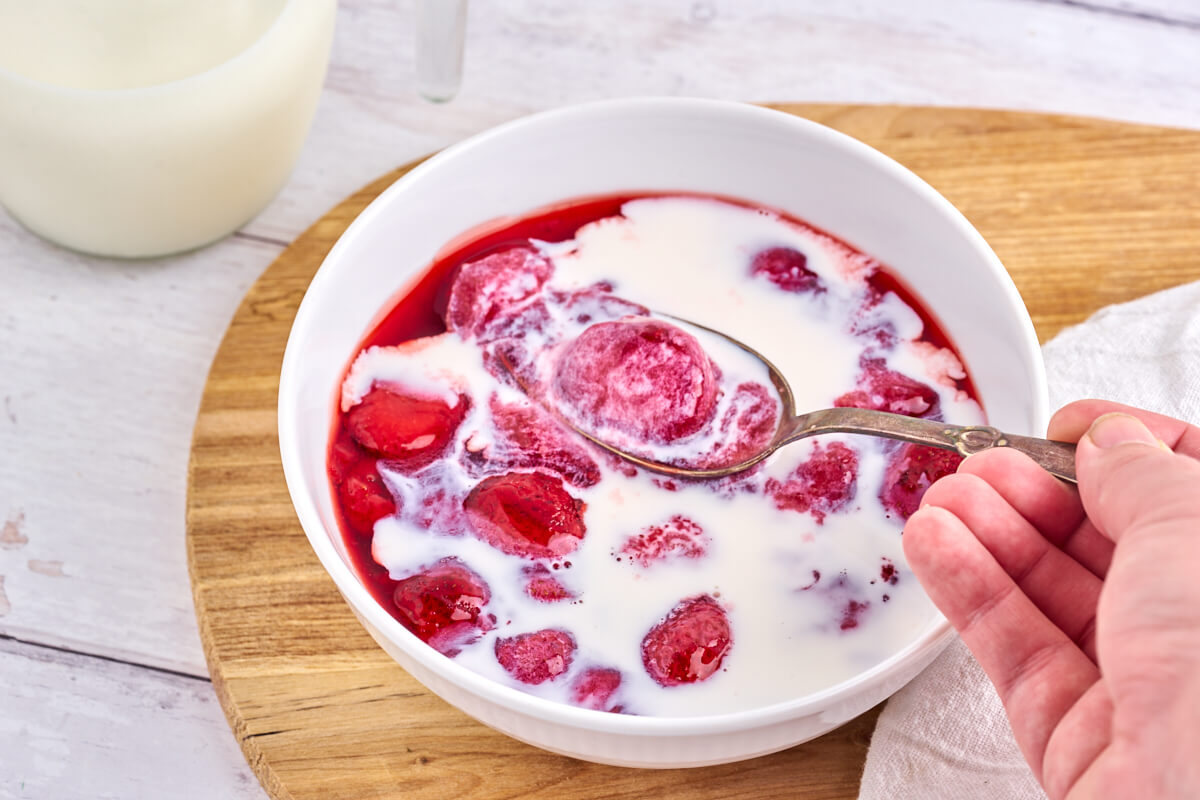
(1131, 481)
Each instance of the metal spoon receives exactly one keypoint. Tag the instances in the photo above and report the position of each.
(1057, 458)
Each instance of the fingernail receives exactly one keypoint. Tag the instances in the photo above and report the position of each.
(1111, 430)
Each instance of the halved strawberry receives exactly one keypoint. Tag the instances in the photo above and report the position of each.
(409, 431)
(443, 605)
(689, 644)
(526, 514)
(536, 657)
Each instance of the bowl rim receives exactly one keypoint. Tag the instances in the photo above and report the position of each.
(935, 634)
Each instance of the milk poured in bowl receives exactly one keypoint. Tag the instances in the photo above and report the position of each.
(813, 594)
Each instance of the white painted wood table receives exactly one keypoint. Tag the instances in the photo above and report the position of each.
(103, 687)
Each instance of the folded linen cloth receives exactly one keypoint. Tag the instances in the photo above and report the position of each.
(945, 735)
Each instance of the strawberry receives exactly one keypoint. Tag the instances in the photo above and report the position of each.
(689, 644)
(543, 586)
(485, 288)
(883, 389)
(677, 537)
(529, 438)
(747, 426)
(526, 514)
(536, 657)
(911, 470)
(515, 322)
(410, 432)
(597, 303)
(594, 687)
(825, 483)
(344, 454)
(640, 376)
(364, 496)
(788, 269)
(443, 605)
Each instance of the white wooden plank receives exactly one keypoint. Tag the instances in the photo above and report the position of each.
(77, 727)
(529, 55)
(101, 369)
(1165, 12)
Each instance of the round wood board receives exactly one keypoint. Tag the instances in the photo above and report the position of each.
(1082, 212)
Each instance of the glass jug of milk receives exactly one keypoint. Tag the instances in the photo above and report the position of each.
(137, 128)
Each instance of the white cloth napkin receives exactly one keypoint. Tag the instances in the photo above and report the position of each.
(945, 736)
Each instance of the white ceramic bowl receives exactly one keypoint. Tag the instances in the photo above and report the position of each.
(767, 157)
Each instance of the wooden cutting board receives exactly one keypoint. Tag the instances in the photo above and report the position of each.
(1082, 212)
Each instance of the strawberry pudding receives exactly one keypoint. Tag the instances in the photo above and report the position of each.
(507, 541)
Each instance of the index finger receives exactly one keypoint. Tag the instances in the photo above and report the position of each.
(1072, 421)
(1038, 671)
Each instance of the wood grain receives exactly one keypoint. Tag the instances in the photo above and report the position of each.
(1083, 213)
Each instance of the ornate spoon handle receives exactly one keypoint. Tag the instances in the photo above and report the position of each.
(1057, 458)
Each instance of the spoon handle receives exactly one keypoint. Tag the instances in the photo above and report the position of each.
(1057, 458)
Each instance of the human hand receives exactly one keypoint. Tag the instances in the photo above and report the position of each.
(1081, 605)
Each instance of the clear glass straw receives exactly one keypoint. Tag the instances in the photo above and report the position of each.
(441, 31)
